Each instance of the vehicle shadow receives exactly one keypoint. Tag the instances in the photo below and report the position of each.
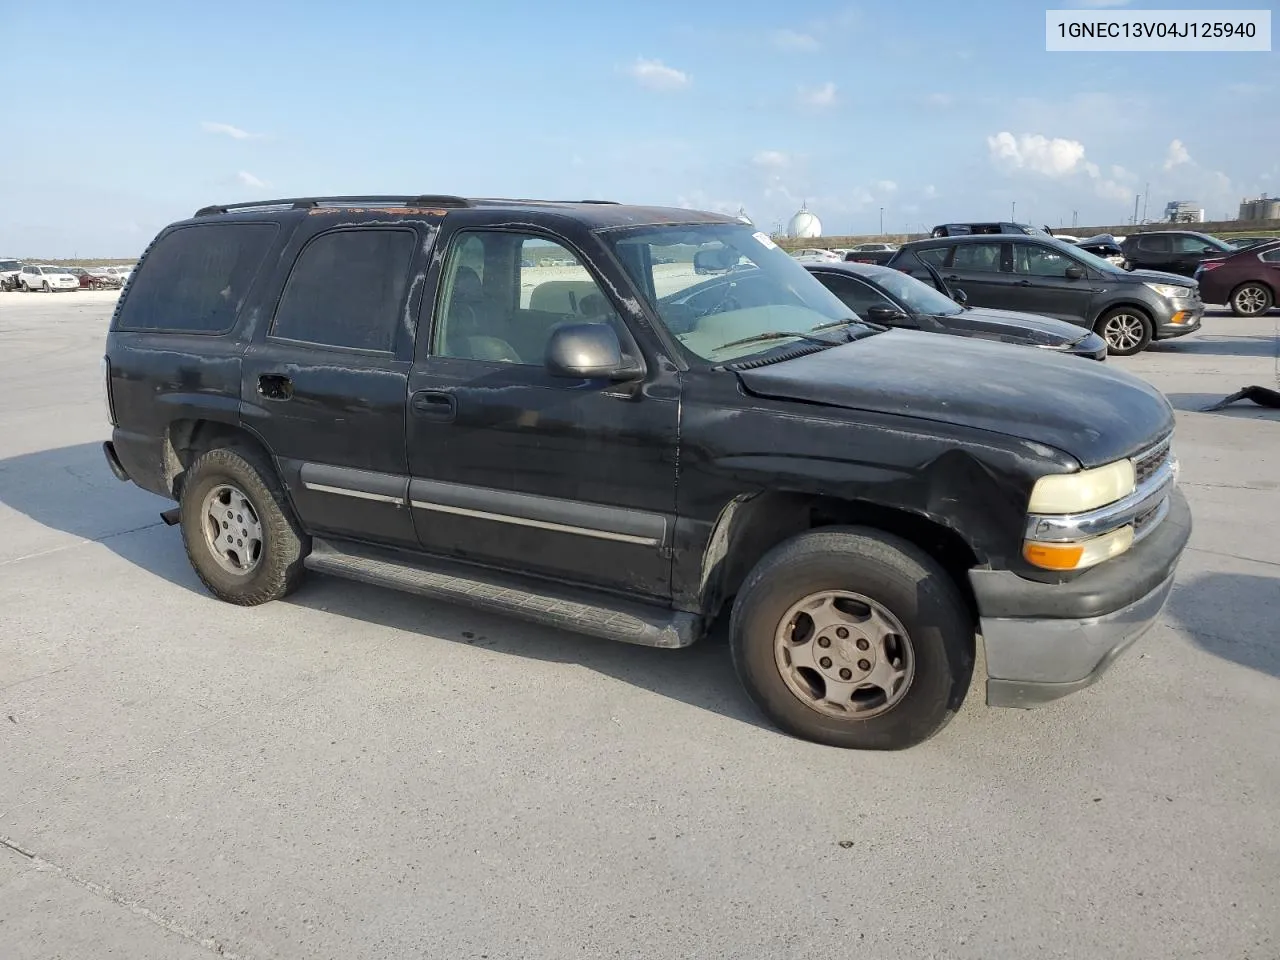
(1250, 604)
(1260, 345)
(71, 490)
(1240, 409)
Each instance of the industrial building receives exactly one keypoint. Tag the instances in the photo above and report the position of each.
(1184, 211)
(1263, 208)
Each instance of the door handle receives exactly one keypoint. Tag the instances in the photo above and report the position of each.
(275, 386)
(434, 405)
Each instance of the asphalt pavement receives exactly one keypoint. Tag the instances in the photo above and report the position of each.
(357, 773)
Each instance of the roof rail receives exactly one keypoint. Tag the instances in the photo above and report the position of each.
(305, 203)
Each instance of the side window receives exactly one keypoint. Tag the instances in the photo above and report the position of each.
(1188, 244)
(506, 314)
(196, 278)
(347, 290)
(1271, 256)
(1034, 260)
(1149, 244)
(854, 294)
(934, 256)
(977, 257)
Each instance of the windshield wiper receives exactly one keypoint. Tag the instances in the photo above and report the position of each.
(777, 335)
(834, 323)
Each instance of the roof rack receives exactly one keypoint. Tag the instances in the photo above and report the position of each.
(306, 203)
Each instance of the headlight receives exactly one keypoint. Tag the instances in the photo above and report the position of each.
(1170, 290)
(1079, 555)
(1085, 490)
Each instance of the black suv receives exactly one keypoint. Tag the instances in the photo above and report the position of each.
(1058, 279)
(511, 404)
(1172, 251)
(986, 227)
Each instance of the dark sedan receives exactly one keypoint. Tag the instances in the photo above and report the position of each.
(895, 299)
(1248, 281)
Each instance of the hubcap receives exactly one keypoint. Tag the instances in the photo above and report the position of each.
(232, 529)
(1124, 331)
(844, 655)
(1251, 300)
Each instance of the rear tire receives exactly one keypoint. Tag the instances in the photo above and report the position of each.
(1127, 331)
(46, 288)
(1251, 300)
(827, 617)
(255, 553)
(25, 288)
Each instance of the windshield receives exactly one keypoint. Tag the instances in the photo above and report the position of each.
(712, 284)
(915, 295)
(10, 265)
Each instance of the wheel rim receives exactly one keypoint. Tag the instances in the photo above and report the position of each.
(1251, 300)
(1123, 331)
(232, 529)
(844, 655)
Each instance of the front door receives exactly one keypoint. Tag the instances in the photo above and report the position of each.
(1043, 286)
(515, 468)
(325, 383)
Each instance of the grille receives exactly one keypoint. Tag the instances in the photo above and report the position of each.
(1144, 520)
(1152, 459)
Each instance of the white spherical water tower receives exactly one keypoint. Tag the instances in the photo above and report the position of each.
(804, 224)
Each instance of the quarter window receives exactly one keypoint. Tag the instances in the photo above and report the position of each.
(347, 290)
(506, 311)
(854, 294)
(1271, 256)
(196, 278)
(977, 257)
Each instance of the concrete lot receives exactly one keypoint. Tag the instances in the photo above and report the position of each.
(359, 774)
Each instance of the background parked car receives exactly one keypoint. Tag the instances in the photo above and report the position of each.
(1105, 246)
(47, 278)
(10, 270)
(1172, 251)
(1248, 281)
(896, 299)
(109, 276)
(1241, 243)
(986, 227)
(1044, 276)
(815, 253)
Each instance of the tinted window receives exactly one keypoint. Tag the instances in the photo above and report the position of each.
(1270, 256)
(504, 293)
(854, 294)
(979, 257)
(933, 255)
(1190, 244)
(347, 290)
(1037, 261)
(1153, 244)
(196, 278)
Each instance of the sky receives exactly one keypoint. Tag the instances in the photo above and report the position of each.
(931, 111)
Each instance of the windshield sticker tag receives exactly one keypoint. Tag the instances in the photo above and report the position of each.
(765, 241)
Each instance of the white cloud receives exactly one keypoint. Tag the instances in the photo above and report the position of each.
(930, 192)
(656, 75)
(794, 40)
(939, 100)
(226, 129)
(1055, 157)
(1092, 169)
(771, 160)
(1110, 190)
(823, 96)
(886, 186)
(247, 179)
(1177, 155)
(1120, 173)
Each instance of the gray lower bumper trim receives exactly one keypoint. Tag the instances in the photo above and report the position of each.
(1033, 661)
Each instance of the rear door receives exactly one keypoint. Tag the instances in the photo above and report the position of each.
(325, 382)
(1043, 287)
(1152, 252)
(982, 271)
(1188, 251)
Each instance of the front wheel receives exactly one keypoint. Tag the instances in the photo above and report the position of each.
(853, 638)
(1126, 330)
(25, 287)
(238, 529)
(1251, 300)
(46, 288)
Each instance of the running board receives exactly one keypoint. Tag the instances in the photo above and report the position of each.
(544, 602)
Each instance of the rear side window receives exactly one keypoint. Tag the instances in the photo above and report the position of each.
(1154, 244)
(347, 290)
(196, 278)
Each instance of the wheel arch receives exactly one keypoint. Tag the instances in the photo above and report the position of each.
(1128, 304)
(750, 526)
(188, 437)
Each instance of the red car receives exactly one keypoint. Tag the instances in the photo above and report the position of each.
(1248, 282)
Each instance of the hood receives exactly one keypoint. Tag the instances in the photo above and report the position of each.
(1094, 412)
(1158, 276)
(1027, 328)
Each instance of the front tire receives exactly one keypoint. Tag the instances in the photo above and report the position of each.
(1251, 300)
(46, 288)
(853, 638)
(25, 287)
(1126, 330)
(239, 531)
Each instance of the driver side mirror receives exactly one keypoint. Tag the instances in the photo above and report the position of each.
(1074, 273)
(1208, 251)
(883, 313)
(960, 297)
(589, 351)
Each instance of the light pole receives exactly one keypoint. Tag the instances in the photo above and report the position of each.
(1013, 211)
(882, 221)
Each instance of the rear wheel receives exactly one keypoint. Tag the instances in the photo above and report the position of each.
(1251, 300)
(25, 288)
(853, 638)
(1126, 330)
(239, 531)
